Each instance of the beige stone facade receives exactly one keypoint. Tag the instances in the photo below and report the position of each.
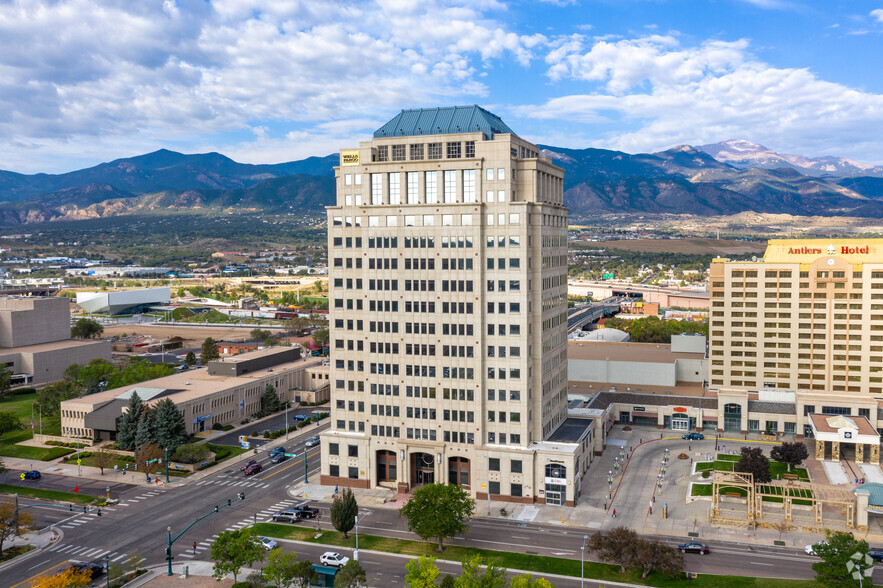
(447, 267)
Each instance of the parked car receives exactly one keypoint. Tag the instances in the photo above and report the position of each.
(253, 469)
(312, 442)
(693, 436)
(305, 511)
(32, 475)
(810, 549)
(333, 559)
(94, 570)
(286, 516)
(876, 554)
(248, 463)
(267, 543)
(694, 547)
(301, 417)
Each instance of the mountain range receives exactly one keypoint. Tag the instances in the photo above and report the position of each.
(723, 178)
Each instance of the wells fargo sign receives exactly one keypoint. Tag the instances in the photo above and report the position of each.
(349, 158)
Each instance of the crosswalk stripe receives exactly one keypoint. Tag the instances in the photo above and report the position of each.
(186, 555)
(61, 548)
(108, 508)
(81, 521)
(119, 557)
(103, 554)
(206, 543)
(76, 550)
(90, 552)
(69, 526)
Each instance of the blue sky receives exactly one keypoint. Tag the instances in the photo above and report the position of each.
(262, 81)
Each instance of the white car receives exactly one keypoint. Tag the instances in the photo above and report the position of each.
(810, 549)
(267, 543)
(332, 559)
(312, 442)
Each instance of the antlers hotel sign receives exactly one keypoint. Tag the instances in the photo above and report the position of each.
(832, 250)
(809, 250)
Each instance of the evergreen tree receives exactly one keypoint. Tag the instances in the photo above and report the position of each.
(171, 431)
(128, 424)
(209, 351)
(190, 358)
(146, 431)
(344, 511)
(270, 400)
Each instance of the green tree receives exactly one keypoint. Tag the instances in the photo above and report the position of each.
(344, 511)
(476, 576)
(145, 433)
(281, 568)
(754, 462)
(86, 328)
(790, 453)
(352, 575)
(304, 574)
(260, 334)
(618, 546)
(270, 400)
(835, 552)
(320, 338)
(438, 511)
(209, 351)
(171, 430)
(528, 581)
(653, 556)
(9, 423)
(128, 424)
(232, 550)
(190, 358)
(10, 523)
(5, 382)
(422, 572)
(181, 292)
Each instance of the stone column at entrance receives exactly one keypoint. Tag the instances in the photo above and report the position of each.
(860, 453)
(835, 450)
(862, 497)
(820, 449)
(875, 454)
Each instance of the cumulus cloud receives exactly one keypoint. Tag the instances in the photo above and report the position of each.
(877, 15)
(667, 94)
(190, 67)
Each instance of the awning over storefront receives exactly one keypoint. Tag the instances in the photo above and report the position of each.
(843, 429)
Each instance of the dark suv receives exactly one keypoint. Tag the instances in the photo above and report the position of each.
(278, 455)
(93, 570)
(305, 511)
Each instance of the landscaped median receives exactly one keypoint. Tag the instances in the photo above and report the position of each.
(536, 564)
(54, 495)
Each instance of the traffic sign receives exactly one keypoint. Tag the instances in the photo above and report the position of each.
(22, 476)
(76, 488)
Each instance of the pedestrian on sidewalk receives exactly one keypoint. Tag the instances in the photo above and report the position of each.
(614, 513)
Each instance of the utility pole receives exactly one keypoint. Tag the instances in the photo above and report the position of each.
(306, 473)
(167, 465)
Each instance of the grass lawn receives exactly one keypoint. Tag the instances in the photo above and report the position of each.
(92, 460)
(519, 561)
(705, 490)
(20, 406)
(11, 552)
(47, 494)
(727, 462)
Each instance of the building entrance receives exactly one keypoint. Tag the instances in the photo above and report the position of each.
(680, 422)
(555, 497)
(422, 468)
(732, 417)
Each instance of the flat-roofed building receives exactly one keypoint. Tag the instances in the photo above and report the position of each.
(35, 340)
(448, 281)
(226, 392)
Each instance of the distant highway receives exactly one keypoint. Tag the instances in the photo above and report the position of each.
(580, 316)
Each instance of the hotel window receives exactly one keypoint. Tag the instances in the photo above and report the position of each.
(501, 196)
(383, 153)
(348, 180)
(447, 220)
(428, 220)
(489, 196)
(410, 221)
(358, 179)
(470, 148)
(434, 151)
(501, 173)
(398, 153)
(489, 174)
(466, 220)
(417, 151)
(395, 187)
(469, 185)
(376, 188)
(431, 187)
(413, 189)
(450, 194)
(454, 150)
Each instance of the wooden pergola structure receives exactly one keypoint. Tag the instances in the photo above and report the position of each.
(781, 495)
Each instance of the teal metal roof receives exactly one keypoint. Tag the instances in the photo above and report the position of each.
(443, 121)
(875, 490)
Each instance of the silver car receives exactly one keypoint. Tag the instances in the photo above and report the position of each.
(267, 543)
(312, 442)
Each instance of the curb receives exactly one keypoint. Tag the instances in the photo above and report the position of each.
(58, 535)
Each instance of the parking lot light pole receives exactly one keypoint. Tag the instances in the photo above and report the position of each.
(356, 551)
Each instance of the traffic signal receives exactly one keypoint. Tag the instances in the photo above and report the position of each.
(229, 502)
(169, 554)
(242, 496)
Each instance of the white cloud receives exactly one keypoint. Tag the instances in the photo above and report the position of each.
(877, 15)
(189, 68)
(666, 94)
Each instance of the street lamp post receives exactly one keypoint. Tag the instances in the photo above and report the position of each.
(356, 552)
(488, 483)
(861, 566)
(286, 419)
(107, 569)
(582, 565)
(79, 468)
(306, 472)
(167, 465)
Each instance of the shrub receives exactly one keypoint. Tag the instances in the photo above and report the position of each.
(191, 453)
(705, 473)
(217, 427)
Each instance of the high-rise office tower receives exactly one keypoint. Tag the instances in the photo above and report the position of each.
(447, 253)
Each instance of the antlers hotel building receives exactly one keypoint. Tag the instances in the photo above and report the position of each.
(448, 295)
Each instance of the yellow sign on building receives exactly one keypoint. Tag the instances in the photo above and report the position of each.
(349, 158)
(808, 250)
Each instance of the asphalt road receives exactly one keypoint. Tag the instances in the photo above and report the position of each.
(137, 525)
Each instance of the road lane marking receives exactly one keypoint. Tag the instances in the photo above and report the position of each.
(119, 557)
(288, 466)
(757, 563)
(39, 564)
(38, 575)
